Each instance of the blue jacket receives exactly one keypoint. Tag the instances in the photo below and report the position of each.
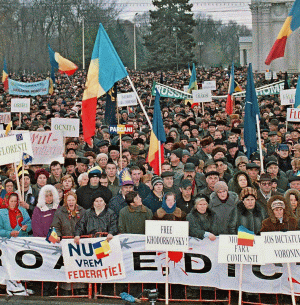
(152, 202)
(5, 227)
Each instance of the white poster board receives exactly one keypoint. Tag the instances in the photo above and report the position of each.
(127, 99)
(47, 146)
(268, 75)
(202, 96)
(5, 117)
(293, 115)
(231, 253)
(12, 148)
(68, 127)
(83, 266)
(281, 247)
(20, 105)
(210, 85)
(167, 235)
(186, 88)
(287, 97)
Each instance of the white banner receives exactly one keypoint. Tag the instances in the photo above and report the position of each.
(90, 260)
(126, 99)
(68, 127)
(287, 97)
(167, 235)
(20, 105)
(293, 115)
(36, 260)
(47, 146)
(268, 75)
(210, 85)
(202, 96)
(5, 117)
(231, 253)
(12, 148)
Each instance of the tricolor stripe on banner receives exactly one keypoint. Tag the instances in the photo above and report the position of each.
(245, 237)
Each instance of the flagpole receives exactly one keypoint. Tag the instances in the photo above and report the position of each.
(68, 78)
(159, 156)
(23, 190)
(17, 178)
(259, 144)
(120, 136)
(240, 284)
(291, 284)
(138, 98)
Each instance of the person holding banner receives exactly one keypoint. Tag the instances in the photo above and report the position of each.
(281, 217)
(14, 220)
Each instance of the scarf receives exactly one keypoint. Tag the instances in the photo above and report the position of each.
(15, 217)
(166, 208)
(74, 213)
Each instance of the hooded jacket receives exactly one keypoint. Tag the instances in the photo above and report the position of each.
(289, 222)
(297, 195)
(234, 185)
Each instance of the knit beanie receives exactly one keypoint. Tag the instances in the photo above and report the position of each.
(220, 186)
(156, 179)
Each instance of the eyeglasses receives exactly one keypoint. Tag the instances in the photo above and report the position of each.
(266, 183)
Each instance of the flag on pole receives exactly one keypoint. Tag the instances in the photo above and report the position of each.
(245, 237)
(297, 96)
(231, 88)
(193, 82)
(251, 110)
(8, 128)
(189, 69)
(110, 106)
(62, 64)
(291, 23)
(237, 87)
(5, 76)
(52, 236)
(106, 68)
(157, 135)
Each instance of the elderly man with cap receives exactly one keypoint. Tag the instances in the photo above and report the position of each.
(168, 181)
(295, 182)
(154, 199)
(222, 202)
(103, 146)
(81, 167)
(272, 168)
(252, 169)
(265, 191)
(233, 152)
(118, 202)
(69, 165)
(211, 179)
(273, 144)
(126, 141)
(114, 153)
(184, 199)
(284, 159)
(222, 169)
(207, 145)
(175, 160)
(280, 216)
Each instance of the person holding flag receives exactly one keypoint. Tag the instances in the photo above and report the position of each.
(193, 81)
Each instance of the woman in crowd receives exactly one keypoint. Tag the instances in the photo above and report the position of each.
(168, 210)
(239, 181)
(14, 220)
(64, 222)
(42, 217)
(8, 187)
(41, 176)
(292, 197)
(99, 218)
(68, 183)
(247, 213)
(102, 160)
(83, 179)
(202, 221)
(281, 217)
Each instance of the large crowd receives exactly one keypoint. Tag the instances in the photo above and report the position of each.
(206, 178)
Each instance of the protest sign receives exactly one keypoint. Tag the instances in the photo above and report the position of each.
(281, 247)
(202, 96)
(210, 85)
(231, 253)
(268, 75)
(186, 88)
(293, 115)
(47, 146)
(287, 97)
(166, 91)
(68, 127)
(126, 99)
(28, 89)
(20, 105)
(167, 235)
(5, 117)
(93, 260)
(121, 129)
(274, 75)
(12, 148)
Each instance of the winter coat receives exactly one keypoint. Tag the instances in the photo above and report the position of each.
(152, 202)
(201, 223)
(86, 194)
(185, 206)
(91, 223)
(132, 219)
(31, 197)
(200, 183)
(233, 184)
(142, 189)
(117, 203)
(177, 215)
(5, 227)
(262, 200)
(64, 225)
(289, 222)
(250, 219)
(222, 210)
(202, 155)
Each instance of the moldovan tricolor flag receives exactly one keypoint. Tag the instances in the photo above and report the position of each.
(291, 24)
(158, 135)
(106, 68)
(62, 64)
(5, 76)
(245, 237)
(231, 89)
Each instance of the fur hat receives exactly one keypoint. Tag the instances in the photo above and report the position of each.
(206, 141)
(247, 191)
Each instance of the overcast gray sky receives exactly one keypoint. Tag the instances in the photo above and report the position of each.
(226, 10)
